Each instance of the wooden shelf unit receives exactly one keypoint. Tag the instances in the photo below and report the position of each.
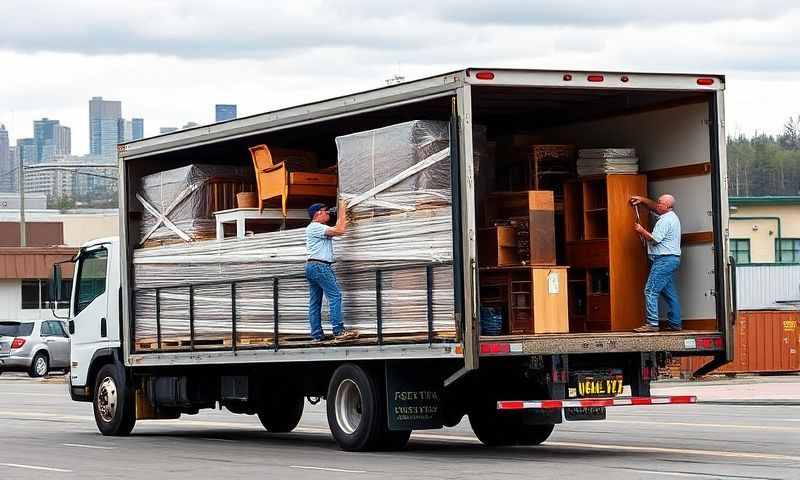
(533, 302)
(607, 260)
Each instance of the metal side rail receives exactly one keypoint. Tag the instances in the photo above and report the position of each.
(506, 405)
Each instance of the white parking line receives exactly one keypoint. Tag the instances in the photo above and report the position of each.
(35, 467)
(338, 470)
(98, 447)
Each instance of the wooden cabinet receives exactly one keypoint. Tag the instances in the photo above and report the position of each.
(533, 213)
(497, 246)
(534, 298)
(601, 244)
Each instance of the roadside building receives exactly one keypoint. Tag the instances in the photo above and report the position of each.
(765, 229)
(52, 236)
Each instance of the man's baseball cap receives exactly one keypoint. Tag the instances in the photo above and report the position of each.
(313, 209)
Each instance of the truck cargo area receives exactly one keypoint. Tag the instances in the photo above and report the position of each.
(556, 253)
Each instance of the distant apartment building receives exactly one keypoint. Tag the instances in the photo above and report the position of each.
(52, 140)
(224, 112)
(138, 128)
(7, 164)
(190, 125)
(164, 130)
(104, 116)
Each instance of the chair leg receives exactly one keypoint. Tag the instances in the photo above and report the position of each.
(285, 200)
(260, 205)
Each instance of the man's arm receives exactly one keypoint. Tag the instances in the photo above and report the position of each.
(636, 200)
(643, 232)
(341, 221)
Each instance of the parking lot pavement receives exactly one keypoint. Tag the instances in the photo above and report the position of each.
(44, 433)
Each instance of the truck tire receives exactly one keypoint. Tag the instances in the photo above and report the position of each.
(281, 413)
(113, 402)
(354, 405)
(39, 366)
(496, 430)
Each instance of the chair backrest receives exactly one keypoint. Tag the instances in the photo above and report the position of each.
(262, 158)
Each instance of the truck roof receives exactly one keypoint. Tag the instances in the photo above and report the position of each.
(432, 87)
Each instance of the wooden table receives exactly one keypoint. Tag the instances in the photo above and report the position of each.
(242, 215)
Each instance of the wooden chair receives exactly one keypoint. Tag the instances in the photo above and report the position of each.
(275, 176)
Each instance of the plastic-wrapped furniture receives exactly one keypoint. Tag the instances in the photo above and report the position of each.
(284, 173)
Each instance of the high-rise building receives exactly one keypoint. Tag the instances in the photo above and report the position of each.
(28, 151)
(164, 130)
(124, 130)
(6, 161)
(190, 125)
(138, 128)
(104, 116)
(53, 140)
(224, 112)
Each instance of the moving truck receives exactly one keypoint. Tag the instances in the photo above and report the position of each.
(514, 385)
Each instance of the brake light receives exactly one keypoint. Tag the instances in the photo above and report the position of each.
(709, 343)
(595, 78)
(18, 343)
(490, 348)
(705, 81)
(484, 76)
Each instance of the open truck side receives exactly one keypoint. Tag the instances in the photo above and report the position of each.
(513, 387)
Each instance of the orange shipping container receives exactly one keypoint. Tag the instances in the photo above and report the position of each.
(766, 341)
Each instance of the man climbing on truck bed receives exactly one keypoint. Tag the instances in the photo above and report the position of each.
(319, 272)
(664, 252)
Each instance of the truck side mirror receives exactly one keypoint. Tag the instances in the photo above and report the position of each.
(55, 283)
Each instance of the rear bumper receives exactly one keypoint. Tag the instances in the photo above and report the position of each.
(13, 362)
(510, 405)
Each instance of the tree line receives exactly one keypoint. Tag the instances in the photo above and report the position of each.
(762, 165)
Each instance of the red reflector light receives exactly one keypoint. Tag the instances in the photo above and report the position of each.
(489, 348)
(511, 405)
(624, 79)
(718, 342)
(567, 77)
(18, 343)
(595, 78)
(705, 342)
(484, 76)
(705, 81)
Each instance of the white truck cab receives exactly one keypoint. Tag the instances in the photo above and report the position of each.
(94, 318)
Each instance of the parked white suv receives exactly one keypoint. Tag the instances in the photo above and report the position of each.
(36, 346)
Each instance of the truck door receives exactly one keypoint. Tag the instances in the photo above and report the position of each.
(464, 247)
(88, 326)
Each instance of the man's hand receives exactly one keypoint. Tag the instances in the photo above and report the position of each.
(342, 206)
(636, 200)
(639, 229)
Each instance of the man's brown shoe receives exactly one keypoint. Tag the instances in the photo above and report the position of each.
(646, 329)
(346, 335)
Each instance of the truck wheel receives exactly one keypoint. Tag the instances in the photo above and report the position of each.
(394, 440)
(533, 434)
(114, 407)
(281, 413)
(39, 366)
(496, 430)
(355, 416)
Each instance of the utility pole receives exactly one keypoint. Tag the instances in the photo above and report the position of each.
(23, 234)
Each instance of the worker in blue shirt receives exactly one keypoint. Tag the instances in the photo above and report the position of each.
(319, 272)
(664, 252)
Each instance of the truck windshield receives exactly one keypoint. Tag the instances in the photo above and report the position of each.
(15, 329)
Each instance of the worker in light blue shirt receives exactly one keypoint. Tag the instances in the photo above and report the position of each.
(664, 252)
(319, 272)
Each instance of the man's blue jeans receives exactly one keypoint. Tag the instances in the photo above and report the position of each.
(321, 279)
(661, 282)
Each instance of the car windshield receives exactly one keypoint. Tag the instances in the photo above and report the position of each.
(15, 329)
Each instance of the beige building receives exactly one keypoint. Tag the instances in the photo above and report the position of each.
(765, 229)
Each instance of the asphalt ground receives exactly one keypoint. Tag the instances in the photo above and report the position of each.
(43, 434)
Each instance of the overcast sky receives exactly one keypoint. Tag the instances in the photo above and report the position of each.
(170, 61)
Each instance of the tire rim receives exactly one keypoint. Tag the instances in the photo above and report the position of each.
(107, 399)
(348, 406)
(41, 366)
